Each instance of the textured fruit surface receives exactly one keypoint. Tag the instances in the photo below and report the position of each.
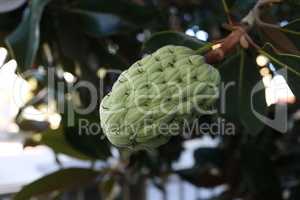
(156, 96)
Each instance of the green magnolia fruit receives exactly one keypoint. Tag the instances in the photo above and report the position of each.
(157, 96)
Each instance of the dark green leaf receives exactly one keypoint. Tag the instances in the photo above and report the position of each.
(259, 173)
(84, 133)
(296, 2)
(295, 191)
(57, 181)
(201, 176)
(249, 79)
(136, 14)
(73, 44)
(24, 41)
(230, 3)
(292, 30)
(229, 71)
(170, 37)
(209, 156)
(240, 7)
(244, 4)
(107, 185)
(97, 24)
(108, 60)
(10, 20)
(55, 139)
(240, 75)
(276, 36)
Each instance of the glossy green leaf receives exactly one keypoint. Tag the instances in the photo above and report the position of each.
(58, 181)
(23, 43)
(175, 38)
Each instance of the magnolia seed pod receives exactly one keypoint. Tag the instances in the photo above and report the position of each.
(159, 94)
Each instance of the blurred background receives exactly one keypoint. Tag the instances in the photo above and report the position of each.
(49, 46)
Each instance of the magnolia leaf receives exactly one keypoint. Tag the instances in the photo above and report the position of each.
(239, 77)
(174, 38)
(58, 181)
(128, 11)
(55, 139)
(24, 42)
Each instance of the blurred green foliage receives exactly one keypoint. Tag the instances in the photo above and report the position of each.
(83, 36)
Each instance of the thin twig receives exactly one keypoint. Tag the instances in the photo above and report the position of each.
(252, 43)
(233, 39)
(228, 45)
(227, 12)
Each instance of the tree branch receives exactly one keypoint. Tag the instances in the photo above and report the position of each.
(229, 43)
(227, 46)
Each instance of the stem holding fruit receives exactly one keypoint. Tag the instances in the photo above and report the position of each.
(239, 34)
